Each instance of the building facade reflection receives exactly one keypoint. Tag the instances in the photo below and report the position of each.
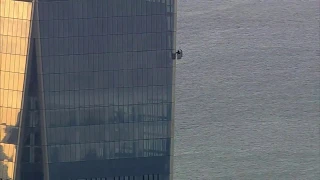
(87, 92)
(15, 18)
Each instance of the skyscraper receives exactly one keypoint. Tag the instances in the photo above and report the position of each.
(86, 89)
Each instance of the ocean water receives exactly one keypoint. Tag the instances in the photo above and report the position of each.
(248, 90)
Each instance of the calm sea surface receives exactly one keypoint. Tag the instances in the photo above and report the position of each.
(248, 90)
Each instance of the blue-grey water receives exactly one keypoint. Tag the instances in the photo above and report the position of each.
(248, 90)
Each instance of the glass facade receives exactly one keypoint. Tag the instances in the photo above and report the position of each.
(15, 20)
(86, 89)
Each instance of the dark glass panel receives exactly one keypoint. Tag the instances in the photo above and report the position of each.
(92, 86)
